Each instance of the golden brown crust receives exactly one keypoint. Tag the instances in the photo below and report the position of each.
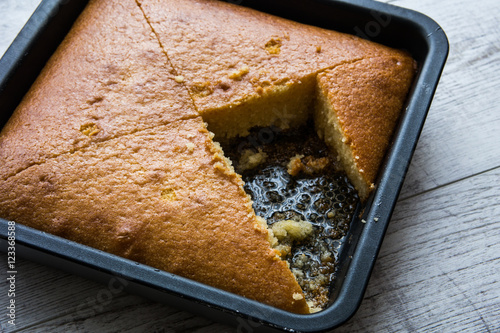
(231, 55)
(366, 98)
(163, 197)
(90, 159)
(94, 88)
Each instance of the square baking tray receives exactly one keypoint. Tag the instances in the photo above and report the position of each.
(386, 24)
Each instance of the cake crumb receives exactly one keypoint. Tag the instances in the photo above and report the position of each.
(168, 194)
(312, 308)
(238, 74)
(190, 147)
(89, 129)
(297, 296)
(273, 46)
(202, 89)
(250, 159)
(309, 165)
(179, 79)
(219, 166)
(295, 230)
(295, 165)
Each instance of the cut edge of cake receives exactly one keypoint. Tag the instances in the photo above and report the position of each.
(283, 105)
(356, 117)
(358, 107)
(330, 130)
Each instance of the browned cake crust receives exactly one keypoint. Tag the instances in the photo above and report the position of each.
(358, 107)
(126, 184)
(245, 68)
(95, 87)
(109, 147)
(164, 197)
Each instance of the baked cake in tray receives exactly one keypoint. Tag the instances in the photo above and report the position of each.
(110, 147)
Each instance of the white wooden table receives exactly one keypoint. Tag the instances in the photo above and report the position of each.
(439, 267)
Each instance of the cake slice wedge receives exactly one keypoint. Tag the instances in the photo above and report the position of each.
(165, 197)
(358, 105)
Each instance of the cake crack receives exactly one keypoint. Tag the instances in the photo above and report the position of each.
(178, 78)
(90, 144)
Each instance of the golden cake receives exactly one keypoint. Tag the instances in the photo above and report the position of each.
(352, 118)
(110, 147)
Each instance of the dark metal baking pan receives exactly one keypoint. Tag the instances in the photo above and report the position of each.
(382, 23)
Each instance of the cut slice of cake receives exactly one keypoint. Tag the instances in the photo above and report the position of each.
(165, 197)
(245, 68)
(358, 105)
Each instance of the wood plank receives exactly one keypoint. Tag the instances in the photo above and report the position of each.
(14, 16)
(53, 301)
(439, 265)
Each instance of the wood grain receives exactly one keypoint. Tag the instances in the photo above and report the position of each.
(459, 138)
(439, 266)
(14, 15)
